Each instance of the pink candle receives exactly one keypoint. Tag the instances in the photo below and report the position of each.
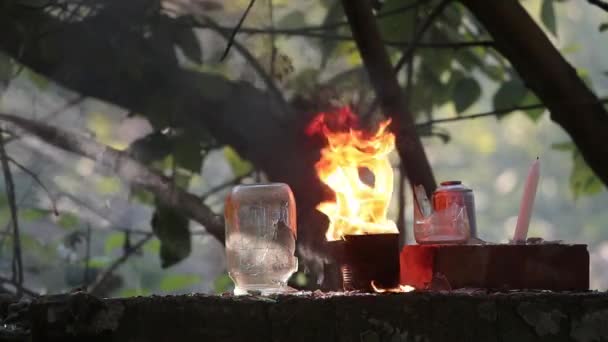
(527, 202)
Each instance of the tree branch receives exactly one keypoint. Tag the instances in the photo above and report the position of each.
(25, 290)
(101, 279)
(599, 3)
(383, 78)
(128, 169)
(545, 71)
(37, 181)
(305, 32)
(232, 36)
(17, 262)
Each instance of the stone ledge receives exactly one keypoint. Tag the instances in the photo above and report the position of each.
(417, 316)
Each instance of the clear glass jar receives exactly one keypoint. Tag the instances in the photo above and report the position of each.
(261, 237)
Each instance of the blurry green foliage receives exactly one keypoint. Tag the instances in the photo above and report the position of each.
(68, 220)
(222, 284)
(547, 15)
(33, 214)
(582, 179)
(176, 282)
(114, 241)
(240, 166)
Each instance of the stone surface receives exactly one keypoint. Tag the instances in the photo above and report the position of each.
(416, 316)
(555, 267)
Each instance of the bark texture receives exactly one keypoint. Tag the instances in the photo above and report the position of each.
(328, 317)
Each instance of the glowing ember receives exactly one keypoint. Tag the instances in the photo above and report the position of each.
(400, 289)
(359, 207)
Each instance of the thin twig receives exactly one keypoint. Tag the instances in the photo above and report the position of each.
(25, 290)
(224, 185)
(599, 3)
(272, 87)
(345, 37)
(407, 54)
(38, 181)
(417, 37)
(17, 263)
(101, 279)
(232, 37)
(125, 167)
(496, 112)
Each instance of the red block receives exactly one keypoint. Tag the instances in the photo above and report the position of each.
(555, 267)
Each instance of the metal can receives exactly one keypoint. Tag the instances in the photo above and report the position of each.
(454, 192)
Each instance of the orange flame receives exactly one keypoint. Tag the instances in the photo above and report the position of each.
(359, 207)
(400, 289)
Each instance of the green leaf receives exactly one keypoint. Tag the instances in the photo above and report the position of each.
(114, 241)
(222, 284)
(240, 167)
(603, 27)
(68, 220)
(466, 92)
(172, 230)
(547, 15)
(33, 214)
(153, 246)
(174, 282)
(99, 262)
(187, 152)
(510, 94)
(295, 19)
(396, 27)
(142, 196)
(533, 114)
(108, 185)
(40, 81)
(583, 180)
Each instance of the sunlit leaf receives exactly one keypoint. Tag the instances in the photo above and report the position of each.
(40, 81)
(114, 241)
(99, 262)
(240, 167)
(153, 246)
(33, 214)
(172, 230)
(547, 15)
(466, 92)
(142, 196)
(175, 282)
(222, 284)
(510, 94)
(108, 185)
(68, 220)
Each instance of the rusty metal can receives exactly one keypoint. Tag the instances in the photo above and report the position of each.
(454, 192)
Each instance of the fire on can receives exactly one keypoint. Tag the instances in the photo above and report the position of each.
(455, 192)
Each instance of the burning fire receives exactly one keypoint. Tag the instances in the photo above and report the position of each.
(400, 289)
(359, 207)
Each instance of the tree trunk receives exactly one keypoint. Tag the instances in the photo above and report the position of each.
(544, 70)
(377, 63)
